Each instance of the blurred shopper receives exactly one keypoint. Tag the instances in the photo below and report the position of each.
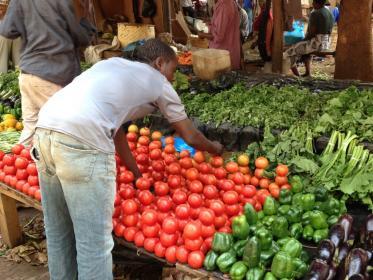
(188, 9)
(51, 36)
(248, 6)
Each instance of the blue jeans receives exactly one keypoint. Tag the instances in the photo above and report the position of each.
(249, 19)
(78, 188)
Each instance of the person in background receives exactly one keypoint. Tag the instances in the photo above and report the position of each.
(188, 9)
(248, 7)
(224, 31)
(51, 36)
(334, 11)
(244, 25)
(320, 27)
(9, 49)
(77, 135)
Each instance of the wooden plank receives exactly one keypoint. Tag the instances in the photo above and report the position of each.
(8, 191)
(278, 31)
(9, 223)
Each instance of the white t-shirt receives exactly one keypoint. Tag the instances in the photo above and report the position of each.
(95, 104)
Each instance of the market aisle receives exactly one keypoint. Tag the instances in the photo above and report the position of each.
(23, 271)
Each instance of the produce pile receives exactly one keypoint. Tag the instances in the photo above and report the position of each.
(280, 108)
(10, 96)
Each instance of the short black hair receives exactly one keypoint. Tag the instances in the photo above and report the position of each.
(320, 2)
(152, 49)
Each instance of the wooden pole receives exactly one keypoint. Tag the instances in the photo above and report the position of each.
(278, 31)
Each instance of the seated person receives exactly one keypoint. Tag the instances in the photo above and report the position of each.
(317, 39)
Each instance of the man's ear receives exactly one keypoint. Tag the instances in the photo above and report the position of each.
(158, 63)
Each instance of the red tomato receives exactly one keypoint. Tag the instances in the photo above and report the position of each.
(194, 213)
(169, 158)
(258, 207)
(149, 217)
(199, 157)
(192, 174)
(17, 149)
(19, 185)
(21, 163)
(126, 177)
(33, 180)
(161, 216)
(155, 154)
(168, 240)
(210, 180)
(37, 195)
(195, 200)
(186, 163)
(182, 254)
(143, 184)
(261, 162)
(146, 197)
(286, 186)
(149, 244)
(225, 229)
(195, 259)
(220, 173)
(2, 154)
(127, 192)
(151, 231)
(182, 224)
(184, 154)
(129, 207)
(171, 254)
(262, 195)
(174, 181)
(196, 186)
(208, 242)
(13, 181)
(116, 212)
(9, 159)
(217, 161)
(25, 188)
(7, 179)
(179, 197)
(130, 220)
(208, 231)
(129, 233)
(210, 192)
(2, 176)
(9, 170)
(226, 185)
(232, 210)
(159, 250)
(280, 180)
(220, 221)
(258, 173)
(264, 183)
(119, 230)
(247, 179)
(254, 181)
(139, 239)
(164, 204)
(182, 211)
(174, 168)
(161, 188)
(282, 170)
(131, 137)
(218, 207)
(31, 169)
(157, 176)
(192, 230)
(193, 244)
(155, 145)
(26, 154)
(207, 217)
(158, 166)
(170, 225)
(237, 178)
(144, 141)
(231, 167)
(142, 159)
(248, 191)
(230, 197)
(204, 168)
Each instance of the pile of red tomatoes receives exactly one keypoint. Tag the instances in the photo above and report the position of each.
(174, 210)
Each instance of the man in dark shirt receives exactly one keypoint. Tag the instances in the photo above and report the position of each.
(51, 36)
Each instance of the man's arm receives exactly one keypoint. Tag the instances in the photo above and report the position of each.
(195, 138)
(10, 26)
(124, 152)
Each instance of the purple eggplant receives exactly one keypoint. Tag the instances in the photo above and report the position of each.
(332, 272)
(369, 223)
(336, 235)
(356, 262)
(343, 252)
(319, 270)
(357, 277)
(346, 222)
(326, 251)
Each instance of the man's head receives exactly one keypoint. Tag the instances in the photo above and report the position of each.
(318, 4)
(159, 55)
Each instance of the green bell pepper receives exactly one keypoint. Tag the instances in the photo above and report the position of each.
(300, 268)
(318, 220)
(250, 214)
(296, 183)
(308, 233)
(280, 227)
(293, 247)
(225, 261)
(297, 199)
(282, 265)
(342, 208)
(268, 220)
(267, 256)
(251, 254)
(239, 247)
(294, 215)
(308, 201)
(281, 242)
(265, 238)
(270, 207)
(285, 196)
(254, 228)
(320, 234)
(306, 218)
(240, 227)
(331, 206)
(304, 256)
(260, 215)
(238, 271)
(256, 273)
(321, 193)
(222, 242)
(210, 261)
(296, 230)
(332, 220)
(269, 276)
(318, 205)
(283, 209)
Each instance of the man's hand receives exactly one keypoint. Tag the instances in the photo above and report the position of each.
(219, 148)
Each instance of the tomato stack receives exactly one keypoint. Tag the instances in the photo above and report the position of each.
(18, 171)
(174, 210)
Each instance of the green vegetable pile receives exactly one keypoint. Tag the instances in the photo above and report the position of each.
(281, 108)
(10, 96)
(271, 239)
(8, 140)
